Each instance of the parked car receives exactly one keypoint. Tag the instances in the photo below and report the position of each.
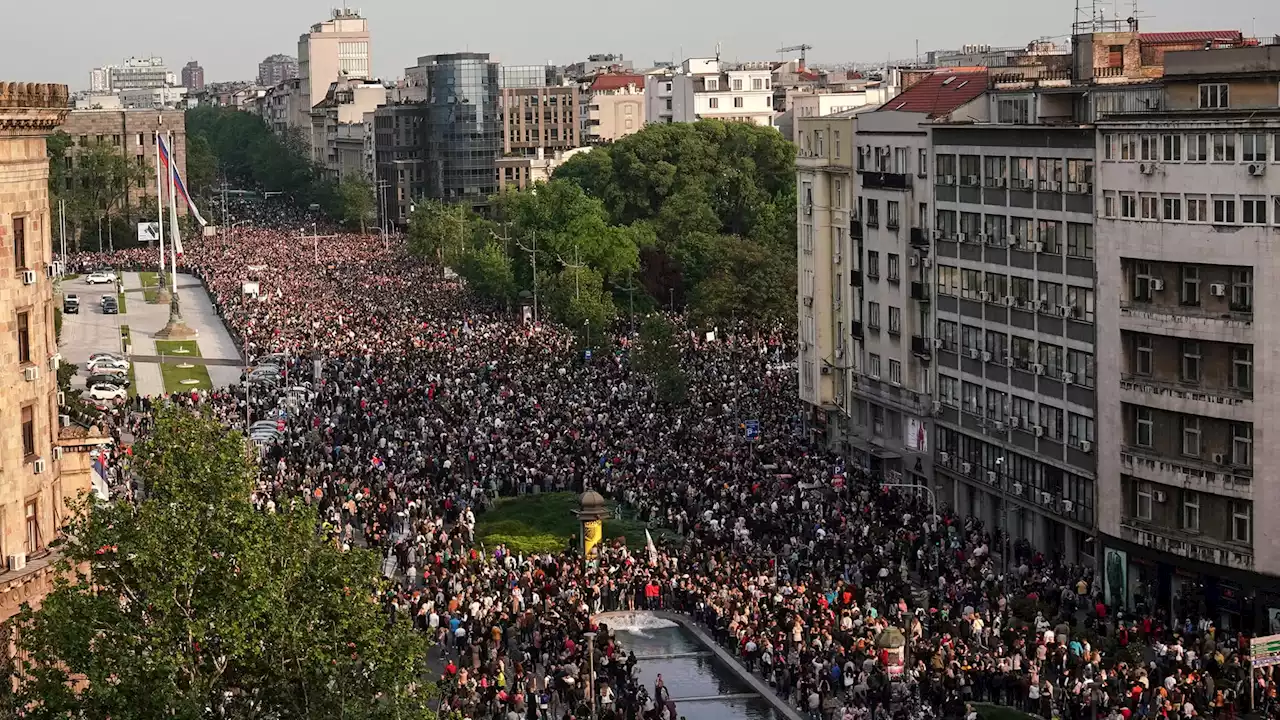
(118, 380)
(71, 304)
(109, 365)
(110, 306)
(118, 357)
(99, 278)
(107, 393)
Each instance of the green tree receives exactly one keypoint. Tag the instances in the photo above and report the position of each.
(746, 280)
(202, 166)
(576, 297)
(194, 603)
(488, 272)
(357, 201)
(657, 355)
(96, 187)
(440, 231)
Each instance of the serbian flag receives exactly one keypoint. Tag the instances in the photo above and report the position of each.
(180, 188)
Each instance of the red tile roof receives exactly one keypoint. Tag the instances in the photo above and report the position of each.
(617, 82)
(940, 92)
(1170, 38)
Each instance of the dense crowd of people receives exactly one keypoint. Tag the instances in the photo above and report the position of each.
(424, 406)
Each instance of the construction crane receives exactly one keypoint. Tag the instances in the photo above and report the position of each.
(797, 48)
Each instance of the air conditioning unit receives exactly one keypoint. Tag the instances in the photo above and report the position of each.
(962, 237)
(1147, 168)
(55, 361)
(966, 468)
(808, 301)
(1009, 300)
(1159, 496)
(944, 457)
(948, 179)
(1017, 488)
(1042, 305)
(971, 179)
(938, 235)
(1258, 170)
(986, 356)
(1069, 378)
(50, 271)
(28, 277)
(1157, 284)
(991, 476)
(1037, 430)
(937, 408)
(1217, 289)
(1015, 422)
(62, 398)
(999, 427)
(1067, 505)
(1073, 187)
(57, 453)
(913, 261)
(937, 343)
(974, 353)
(38, 467)
(1046, 498)
(804, 345)
(808, 209)
(984, 296)
(64, 420)
(1038, 369)
(16, 562)
(1011, 240)
(837, 258)
(826, 370)
(1001, 182)
(1220, 459)
(1035, 247)
(30, 374)
(1064, 310)
(1086, 446)
(928, 262)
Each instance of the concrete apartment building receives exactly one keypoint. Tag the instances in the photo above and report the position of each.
(337, 47)
(539, 118)
(1189, 209)
(275, 69)
(707, 88)
(42, 463)
(400, 139)
(193, 76)
(337, 125)
(615, 107)
(283, 106)
(132, 132)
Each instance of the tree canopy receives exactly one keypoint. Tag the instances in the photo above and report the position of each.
(201, 603)
(94, 187)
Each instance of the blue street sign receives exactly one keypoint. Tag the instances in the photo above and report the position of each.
(752, 428)
(586, 354)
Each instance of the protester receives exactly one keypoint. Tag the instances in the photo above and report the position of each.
(427, 406)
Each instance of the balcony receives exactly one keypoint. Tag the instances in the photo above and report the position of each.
(1029, 78)
(1192, 322)
(1189, 473)
(1223, 403)
(919, 237)
(1188, 545)
(886, 181)
(922, 347)
(900, 395)
(920, 291)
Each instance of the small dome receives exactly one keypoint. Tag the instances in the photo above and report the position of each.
(591, 501)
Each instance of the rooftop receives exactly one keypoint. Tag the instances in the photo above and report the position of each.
(1159, 38)
(616, 81)
(941, 92)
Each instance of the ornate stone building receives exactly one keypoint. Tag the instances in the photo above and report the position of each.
(39, 468)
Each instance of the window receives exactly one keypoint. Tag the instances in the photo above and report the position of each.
(737, 84)
(1079, 176)
(873, 264)
(948, 391)
(1051, 358)
(994, 227)
(1108, 203)
(1080, 364)
(873, 365)
(1149, 147)
(946, 169)
(1108, 147)
(972, 398)
(19, 243)
(1191, 510)
(1149, 207)
(1242, 444)
(1197, 147)
(993, 171)
(757, 83)
(24, 338)
(1051, 421)
(1253, 210)
(873, 316)
(1015, 110)
(1172, 207)
(922, 163)
(1128, 206)
(1022, 173)
(995, 402)
(1189, 285)
(1242, 290)
(1079, 430)
(28, 431)
(1241, 522)
(1143, 352)
(1224, 147)
(895, 372)
(970, 170)
(873, 213)
(737, 101)
(835, 139)
(1050, 238)
(893, 214)
(970, 283)
(713, 103)
(1191, 435)
(1172, 148)
(1144, 426)
(996, 285)
(970, 338)
(893, 267)
(1080, 300)
(1128, 147)
(1242, 368)
(895, 320)
(33, 526)
(997, 345)
(1141, 282)
(1050, 174)
(1142, 499)
(1197, 209)
(1190, 366)
(1253, 147)
(1224, 210)
(947, 333)
(1214, 96)
(1020, 289)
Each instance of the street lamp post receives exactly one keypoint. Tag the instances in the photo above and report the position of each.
(587, 323)
(591, 669)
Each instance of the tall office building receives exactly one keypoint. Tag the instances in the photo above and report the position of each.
(42, 462)
(275, 69)
(193, 76)
(337, 47)
(463, 126)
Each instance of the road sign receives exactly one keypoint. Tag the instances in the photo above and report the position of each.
(586, 355)
(1265, 651)
(148, 232)
(752, 428)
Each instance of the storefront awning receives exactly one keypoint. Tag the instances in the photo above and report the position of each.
(873, 450)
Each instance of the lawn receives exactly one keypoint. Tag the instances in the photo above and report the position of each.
(545, 523)
(171, 347)
(989, 711)
(125, 341)
(150, 283)
(174, 375)
(124, 308)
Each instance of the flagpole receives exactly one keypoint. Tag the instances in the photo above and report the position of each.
(160, 208)
(173, 218)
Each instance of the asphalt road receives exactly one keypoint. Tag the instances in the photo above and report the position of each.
(89, 331)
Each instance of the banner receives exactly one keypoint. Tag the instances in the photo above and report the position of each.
(592, 532)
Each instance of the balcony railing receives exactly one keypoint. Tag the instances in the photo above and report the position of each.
(1184, 391)
(1188, 545)
(922, 347)
(1131, 307)
(886, 180)
(1108, 72)
(919, 237)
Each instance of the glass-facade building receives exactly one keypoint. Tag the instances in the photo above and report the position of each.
(464, 126)
(528, 76)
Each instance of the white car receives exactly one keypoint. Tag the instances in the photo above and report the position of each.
(107, 393)
(108, 365)
(117, 357)
(99, 278)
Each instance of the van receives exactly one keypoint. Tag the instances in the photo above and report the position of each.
(71, 304)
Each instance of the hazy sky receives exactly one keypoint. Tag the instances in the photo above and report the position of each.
(61, 41)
